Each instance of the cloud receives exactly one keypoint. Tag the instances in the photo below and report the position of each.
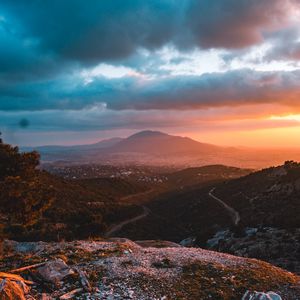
(93, 65)
(232, 88)
(235, 24)
(285, 45)
(100, 118)
(105, 30)
(43, 40)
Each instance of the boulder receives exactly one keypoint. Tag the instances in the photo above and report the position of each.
(54, 271)
(261, 296)
(188, 242)
(157, 244)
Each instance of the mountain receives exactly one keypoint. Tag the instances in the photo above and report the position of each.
(75, 153)
(59, 148)
(145, 147)
(161, 149)
(158, 143)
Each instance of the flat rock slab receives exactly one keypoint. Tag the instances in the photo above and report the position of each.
(54, 271)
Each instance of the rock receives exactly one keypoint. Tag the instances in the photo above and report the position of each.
(220, 235)
(54, 271)
(12, 290)
(188, 242)
(157, 244)
(250, 231)
(261, 296)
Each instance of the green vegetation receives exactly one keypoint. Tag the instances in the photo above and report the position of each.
(35, 205)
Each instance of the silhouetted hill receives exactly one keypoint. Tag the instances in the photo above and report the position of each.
(145, 147)
(269, 197)
(72, 153)
(158, 143)
(198, 175)
(58, 148)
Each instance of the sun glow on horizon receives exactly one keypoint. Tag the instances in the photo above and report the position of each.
(289, 117)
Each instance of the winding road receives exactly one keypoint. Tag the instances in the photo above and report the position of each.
(115, 228)
(235, 216)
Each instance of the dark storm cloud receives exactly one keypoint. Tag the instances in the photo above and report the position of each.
(233, 24)
(96, 30)
(44, 45)
(177, 92)
(232, 88)
(286, 45)
(93, 31)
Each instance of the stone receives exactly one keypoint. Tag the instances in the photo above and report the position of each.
(261, 296)
(188, 242)
(54, 271)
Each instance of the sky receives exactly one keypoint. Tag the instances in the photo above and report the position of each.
(223, 72)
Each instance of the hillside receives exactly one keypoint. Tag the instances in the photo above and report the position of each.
(269, 197)
(198, 175)
(121, 269)
(269, 208)
(36, 205)
(184, 208)
(266, 202)
(77, 210)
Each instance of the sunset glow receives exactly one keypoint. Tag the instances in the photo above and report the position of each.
(180, 74)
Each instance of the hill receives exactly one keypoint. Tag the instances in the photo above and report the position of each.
(183, 208)
(269, 208)
(266, 203)
(36, 205)
(71, 153)
(158, 143)
(269, 197)
(197, 176)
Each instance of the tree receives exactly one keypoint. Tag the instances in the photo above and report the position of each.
(14, 163)
(24, 193)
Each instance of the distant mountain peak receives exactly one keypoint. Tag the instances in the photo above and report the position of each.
(147, 133)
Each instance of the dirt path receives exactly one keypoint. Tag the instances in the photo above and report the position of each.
(119, 226)
(235, 216)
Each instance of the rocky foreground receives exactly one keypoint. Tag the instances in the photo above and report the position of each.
(280, 247)
(122, 269)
